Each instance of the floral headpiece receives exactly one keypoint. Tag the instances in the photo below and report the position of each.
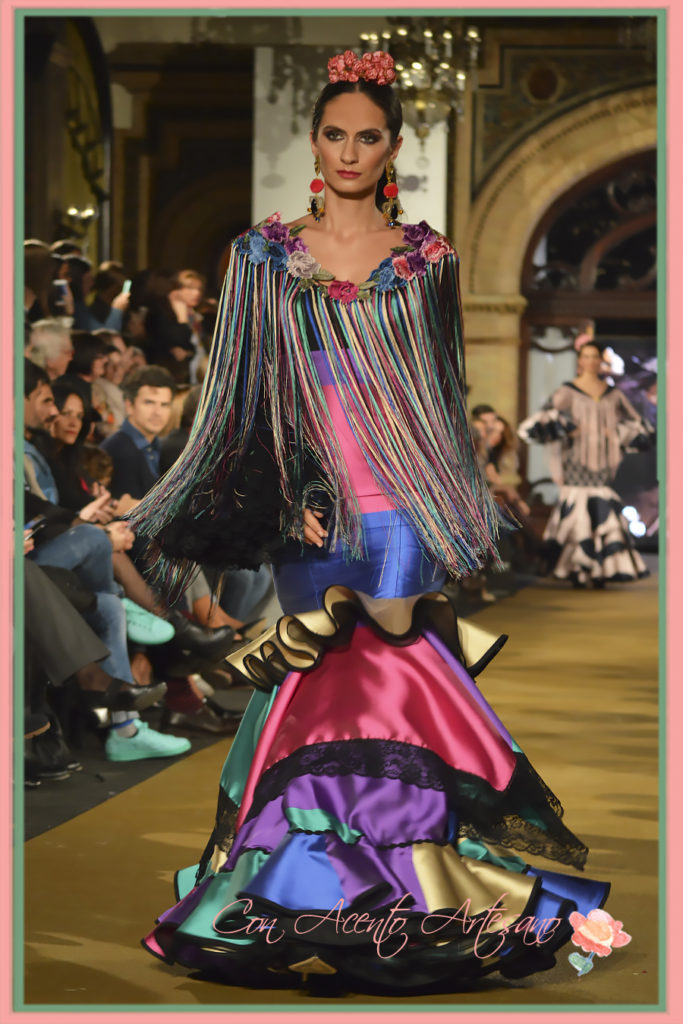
(372, 67)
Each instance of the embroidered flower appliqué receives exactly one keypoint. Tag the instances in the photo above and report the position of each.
(271, 239)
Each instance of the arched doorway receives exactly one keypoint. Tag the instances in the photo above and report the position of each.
(591, 262)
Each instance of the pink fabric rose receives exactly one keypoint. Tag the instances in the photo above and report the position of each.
(435, 250)
(403, 269)
(598, 933)
(345, 291)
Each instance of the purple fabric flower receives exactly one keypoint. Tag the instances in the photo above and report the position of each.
(294, 245)
(416, 262)
(415, 234)
(276, 232)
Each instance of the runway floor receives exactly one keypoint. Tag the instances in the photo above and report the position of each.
(576, 685)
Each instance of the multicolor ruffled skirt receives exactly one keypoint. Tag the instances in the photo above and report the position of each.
(373, 809)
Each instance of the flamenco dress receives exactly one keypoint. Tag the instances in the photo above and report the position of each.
(586, 537)
(372, 808)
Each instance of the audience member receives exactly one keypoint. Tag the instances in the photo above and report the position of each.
(51, 346)
(109, 300)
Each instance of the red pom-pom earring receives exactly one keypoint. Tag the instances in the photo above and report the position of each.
(317, 202)
(391, 210)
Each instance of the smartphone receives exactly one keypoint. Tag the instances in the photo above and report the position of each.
(126, 287)
(35, 524)
(61, 286)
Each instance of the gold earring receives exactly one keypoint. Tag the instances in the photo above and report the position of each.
(391, 209)
(317, 202)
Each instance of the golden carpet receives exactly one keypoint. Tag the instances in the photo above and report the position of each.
(576, 686)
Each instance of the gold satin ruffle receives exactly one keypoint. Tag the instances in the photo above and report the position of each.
(297, 643)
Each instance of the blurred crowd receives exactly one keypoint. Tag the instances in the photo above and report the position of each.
(112, 370)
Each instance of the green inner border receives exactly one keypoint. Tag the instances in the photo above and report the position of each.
(659, 14)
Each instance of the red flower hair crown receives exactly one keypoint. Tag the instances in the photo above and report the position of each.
(372, 67)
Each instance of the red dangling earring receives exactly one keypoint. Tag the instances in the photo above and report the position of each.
(317, 201)
(391, 210)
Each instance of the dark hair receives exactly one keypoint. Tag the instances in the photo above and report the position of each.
(591, 344)
(34, 376)
(87, 348)
(109, 274)
(96, 462)
(383, 96)
(146, 376)
(190, 406)
(481, 410)
(61, 390)
(77, 268)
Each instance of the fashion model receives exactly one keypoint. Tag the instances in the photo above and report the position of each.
(588, 426)
(372, 808)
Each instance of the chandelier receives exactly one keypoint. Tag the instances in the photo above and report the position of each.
(434, 58)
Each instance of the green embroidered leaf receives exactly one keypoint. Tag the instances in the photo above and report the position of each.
(323, 275)
(296, 230)
(402, 248)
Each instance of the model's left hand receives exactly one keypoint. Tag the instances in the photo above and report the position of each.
(313, 528)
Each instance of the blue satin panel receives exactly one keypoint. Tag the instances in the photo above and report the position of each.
(395, 566)
(585, 893)
(298, 875)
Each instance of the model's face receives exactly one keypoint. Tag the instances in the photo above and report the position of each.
(69, 422)
(353, 144)
(590, 360)
(150, 411)
(39, 408)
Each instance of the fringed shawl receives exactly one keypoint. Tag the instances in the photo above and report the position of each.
(394, 347)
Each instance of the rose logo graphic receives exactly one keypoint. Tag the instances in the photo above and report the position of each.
(597, 933)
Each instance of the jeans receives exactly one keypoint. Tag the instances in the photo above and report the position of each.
(108, 620)
(87, 551)
(243, 590)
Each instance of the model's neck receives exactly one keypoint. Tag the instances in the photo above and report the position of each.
(346, 216)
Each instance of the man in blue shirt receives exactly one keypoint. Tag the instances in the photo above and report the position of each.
(135, 447)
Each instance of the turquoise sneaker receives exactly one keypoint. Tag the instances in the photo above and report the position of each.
(144, 628)
(146, 743)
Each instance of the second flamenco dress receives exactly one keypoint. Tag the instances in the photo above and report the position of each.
(372, 809)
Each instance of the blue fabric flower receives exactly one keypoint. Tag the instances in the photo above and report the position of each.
(385, 277)
(258, 248)
(278, 254)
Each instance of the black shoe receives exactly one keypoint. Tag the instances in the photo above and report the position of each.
(123, 696)
(35, 723)
(50, 749)
(206, 719)
(210, 644)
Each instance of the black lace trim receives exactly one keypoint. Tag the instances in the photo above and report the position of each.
(503, 818)
(223, 835)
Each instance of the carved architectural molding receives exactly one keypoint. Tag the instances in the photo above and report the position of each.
(543, 167)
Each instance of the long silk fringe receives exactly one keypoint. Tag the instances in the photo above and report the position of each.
(397, 362)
